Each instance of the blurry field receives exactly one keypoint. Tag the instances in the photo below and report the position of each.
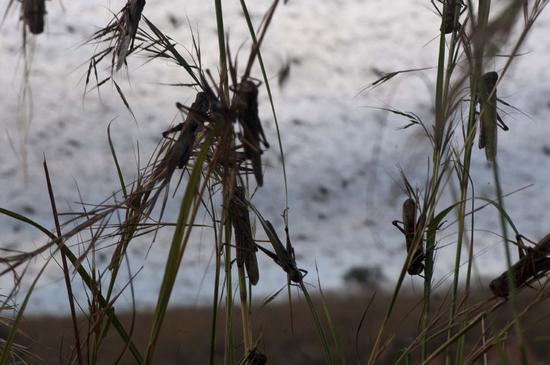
(186, 332)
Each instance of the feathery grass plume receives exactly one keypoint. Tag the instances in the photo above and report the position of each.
(172, 155)
(530, 267)
(127, 27)
(33, 13)
(488, 116)
(246, 247)
(245, 107)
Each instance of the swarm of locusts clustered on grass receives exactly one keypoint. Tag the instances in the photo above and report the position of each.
(460, 330)
(218, 146)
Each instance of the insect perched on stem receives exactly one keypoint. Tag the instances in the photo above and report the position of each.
(127, 29)
(411, 230)
(489, 118)
(181, 151)
(246, 247)
(284, 257)
(530, 267)
(452, 9)
(245, 106)
(33, 15)
(143, 198)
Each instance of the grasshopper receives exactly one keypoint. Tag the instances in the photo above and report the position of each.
(530, 267)
(452, 9)
(284, 257)
(245, 107)
(246, 247)
(127, 29)
(177, 156)
(489, 118)
(181, 152)
(411, 229)
(142, 200)
(33, 15)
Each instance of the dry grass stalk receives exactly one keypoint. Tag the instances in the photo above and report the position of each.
(246, 247)
(33, 15)
(531, 266)
(142, 200)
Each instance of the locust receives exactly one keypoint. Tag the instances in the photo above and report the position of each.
(489, 118)
(532, 265)
(411, 229)
(452, 9)
(183, 147)
(127, 29)
(245, 107)
(33, 15)
(142, 200)
(246, 247)
(284, 257)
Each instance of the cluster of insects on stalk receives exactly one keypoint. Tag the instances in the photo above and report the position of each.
(487, 98)
(533, 264)
(211, 113)
(201, 117)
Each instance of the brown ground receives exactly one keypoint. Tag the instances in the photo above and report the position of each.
(185, 337)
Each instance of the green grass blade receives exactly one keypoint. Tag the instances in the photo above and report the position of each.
(318, 325)
(177, 249)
